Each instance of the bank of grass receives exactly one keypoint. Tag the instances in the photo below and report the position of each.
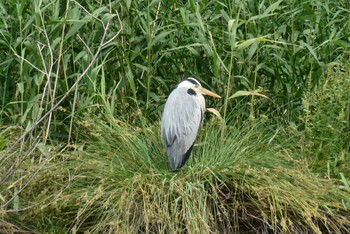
(116, 180)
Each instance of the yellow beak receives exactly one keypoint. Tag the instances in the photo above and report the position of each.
(207, 92)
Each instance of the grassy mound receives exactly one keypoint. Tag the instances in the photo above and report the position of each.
(117, 181)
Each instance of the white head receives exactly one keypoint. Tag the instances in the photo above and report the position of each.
(190, 82)
(194, 84)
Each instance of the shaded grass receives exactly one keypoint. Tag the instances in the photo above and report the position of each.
(116, 180)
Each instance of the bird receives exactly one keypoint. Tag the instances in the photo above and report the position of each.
(181, 119)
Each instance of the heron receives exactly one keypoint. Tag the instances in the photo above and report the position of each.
(182, 116)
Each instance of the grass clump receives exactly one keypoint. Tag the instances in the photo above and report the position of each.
(118, 182)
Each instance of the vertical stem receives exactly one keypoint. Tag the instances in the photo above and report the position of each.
(228, 85)
(230, 78)
(151, 32)
(149, 60)
(251, 114)
(22, 55)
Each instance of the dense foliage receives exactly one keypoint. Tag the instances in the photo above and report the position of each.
(281, 47)
(66, 64)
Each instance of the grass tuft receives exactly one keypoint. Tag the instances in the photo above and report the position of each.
(118, 181)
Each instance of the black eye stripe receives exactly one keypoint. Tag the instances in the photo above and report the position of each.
(191, 92)
(193, 81)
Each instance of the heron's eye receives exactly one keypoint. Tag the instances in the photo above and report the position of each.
(191, 92)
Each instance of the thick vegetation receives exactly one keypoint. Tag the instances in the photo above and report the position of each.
(83, 84)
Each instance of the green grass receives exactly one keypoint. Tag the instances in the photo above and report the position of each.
(325, 135)
(149, 46)
(116, 179)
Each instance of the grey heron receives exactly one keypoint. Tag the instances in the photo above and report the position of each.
(182, 116)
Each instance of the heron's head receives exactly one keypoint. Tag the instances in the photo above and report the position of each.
(194, 84)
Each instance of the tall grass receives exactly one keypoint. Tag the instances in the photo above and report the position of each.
(119, 182)
(229, 45)
(326, 128)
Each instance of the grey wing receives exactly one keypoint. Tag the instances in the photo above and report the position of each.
(180, 123)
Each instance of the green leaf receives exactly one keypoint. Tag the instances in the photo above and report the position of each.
(44, 149)
(160, 37)
(244, 44)
(77, 25)
(310, 49)
(128, 4)
(345, 182)
(267, 13)
(248, 93)
(130, 77)
(20, 87)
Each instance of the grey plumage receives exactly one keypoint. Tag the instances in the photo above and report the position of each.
(181, 119)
